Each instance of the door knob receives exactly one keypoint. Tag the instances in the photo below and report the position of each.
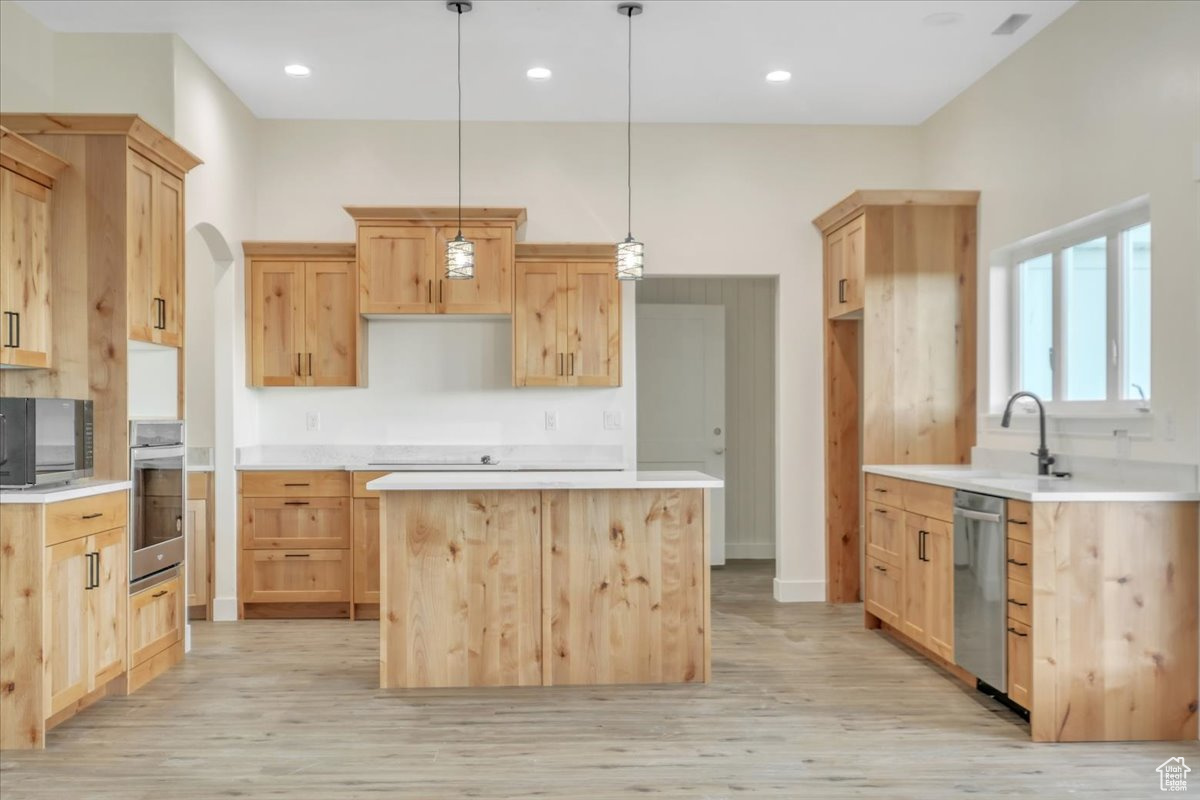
(719, 450)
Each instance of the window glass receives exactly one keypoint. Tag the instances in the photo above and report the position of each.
(1085, 282)
(1036, 287)
(1136, 259)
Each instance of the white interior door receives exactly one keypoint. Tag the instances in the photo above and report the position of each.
(681, 397)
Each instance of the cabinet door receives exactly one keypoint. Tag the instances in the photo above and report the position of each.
(885, 533)
(24, 272)
(882, 595)
(854, 263)
(295, 576)
(274, 523)
(366, 550)
(1020, 664)
(939, 588)
(913, 622)
(155, 620)
(490, 291)
(108, 601)
(331, 324)
(67, 664)
(276, 336)
(594, 325)
(835, 259)
(167, 289)
(396, 270)
(197, 552)
(540, 325)
(141, 179)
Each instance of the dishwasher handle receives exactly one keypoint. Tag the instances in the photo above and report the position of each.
(983, 516)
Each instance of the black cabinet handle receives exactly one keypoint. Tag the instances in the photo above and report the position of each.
(1019, 521)
(842, 290)
(295, 502)
(88, 580)
(158, 594)
(921, 545)
(881, 511)
(295, 484)
(441, 291)
(882, 491)
(429, 291)
(93, 516)
(17, 317)
(1017, 603)
(96, 566)
(572, 372)
(881, 569)
(295, 555)
(1017, 632)
(299, 371)
(1016, 563)
(310, 365)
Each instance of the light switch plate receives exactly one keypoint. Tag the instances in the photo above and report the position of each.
(312, 421)
(613, 420)
(551, 420)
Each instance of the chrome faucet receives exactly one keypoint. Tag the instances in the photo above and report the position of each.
(1043, 454)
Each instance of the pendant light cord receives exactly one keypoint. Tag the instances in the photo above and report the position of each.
(460, 13)
(629, 132)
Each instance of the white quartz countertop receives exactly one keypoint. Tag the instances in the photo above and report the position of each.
(1033, 488)
(57, 494)
(499, 481)
(553, 466)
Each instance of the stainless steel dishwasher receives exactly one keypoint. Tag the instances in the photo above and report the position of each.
(980, 588)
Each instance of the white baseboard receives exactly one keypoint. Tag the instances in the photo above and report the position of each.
(757, 550)
(799, 591)
(225, 609)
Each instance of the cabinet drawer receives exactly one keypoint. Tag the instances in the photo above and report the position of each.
(155, 619)
(885, 490)
(885, 532)
(361, 479)
(1020, 663)
(314, 522)
(1020, 521)
(295, 576)
(72, 519)
(1020, 602)
(1020, 561)
(296, 483)
(935, 502)
(882, 590)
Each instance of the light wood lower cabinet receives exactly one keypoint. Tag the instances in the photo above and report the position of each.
(884, 591)
(296, 576)
(155, 619)
(68, 662)
(314, 522)
(1020, 663)
(197, 553)
(366, 550)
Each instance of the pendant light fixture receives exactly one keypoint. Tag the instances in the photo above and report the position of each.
(631, 254)
(460, 252)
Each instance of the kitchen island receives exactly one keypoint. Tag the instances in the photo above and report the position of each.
(543, 578)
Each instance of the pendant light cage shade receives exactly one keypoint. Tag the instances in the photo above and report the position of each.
(631, 260)
(460, 259)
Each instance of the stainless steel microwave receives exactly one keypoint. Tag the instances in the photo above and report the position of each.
(44, 441)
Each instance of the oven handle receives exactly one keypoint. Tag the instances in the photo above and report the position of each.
(143, 453)
(153, 580)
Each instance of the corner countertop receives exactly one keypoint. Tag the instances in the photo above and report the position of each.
(1031, 488)
(517, 481)
(57, 494)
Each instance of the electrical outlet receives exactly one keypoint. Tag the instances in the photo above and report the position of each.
(312, 421)
(612, 421)
(551, 420)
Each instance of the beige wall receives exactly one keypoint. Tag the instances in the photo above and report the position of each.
(750, 441)
(1101, 107)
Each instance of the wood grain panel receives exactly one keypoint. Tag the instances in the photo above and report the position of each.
(928, 500)
(593, 346)
(396, 269)
(25, 274)
(462, 589)
(885, 490)
(366, 549)
(627, 586)
(843, 475)
(275, 295)
(141, 181)
(490, 291)
(155, 620)
(885, 533)
(281, 523)
(360, 481)
(65, 639)
(22, 582)
(295, 576)
(883, 591)
(197, 552)
(540, 324)
(168, 277)
(1020, 663)
(1114, 621)
(295, 483)
(331, 339)
(107, 606)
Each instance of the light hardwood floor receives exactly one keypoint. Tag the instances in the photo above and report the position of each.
(803, 703)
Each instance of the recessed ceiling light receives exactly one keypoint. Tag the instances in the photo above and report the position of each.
(297, 70)
(779, 76)
(538, 74)
(942, 18)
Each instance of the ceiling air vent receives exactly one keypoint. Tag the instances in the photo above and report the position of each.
(1011, 25)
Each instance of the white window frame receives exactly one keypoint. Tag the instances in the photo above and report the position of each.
(1111, 224)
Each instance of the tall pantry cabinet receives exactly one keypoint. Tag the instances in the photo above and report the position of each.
(900, 317)
(116, 264)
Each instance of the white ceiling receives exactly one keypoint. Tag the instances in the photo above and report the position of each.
(861, 62)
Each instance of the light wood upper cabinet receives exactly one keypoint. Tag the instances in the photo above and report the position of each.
(303, 325)
(396, 270)
(154, 223)
(490, 291)
(26, 177)
(276, 335)
(401, 250)
(845, 264)
(566, 317)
